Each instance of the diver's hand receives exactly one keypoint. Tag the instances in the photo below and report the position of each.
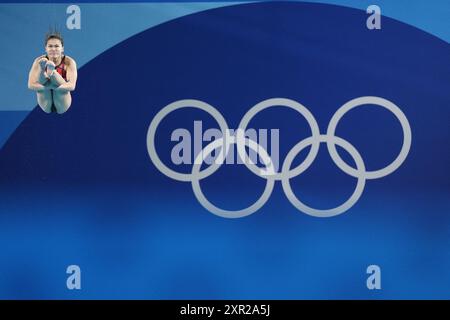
(50, 68)
(42, 63)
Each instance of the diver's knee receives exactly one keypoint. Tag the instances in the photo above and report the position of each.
(62, 107)
(46, 107)
(62, 102)
(62, 110)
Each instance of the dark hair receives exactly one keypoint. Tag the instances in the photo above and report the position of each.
(53, 34)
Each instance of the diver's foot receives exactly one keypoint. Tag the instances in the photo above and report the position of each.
(49, 67)
(43, 63)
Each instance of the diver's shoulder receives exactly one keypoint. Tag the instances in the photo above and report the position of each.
(39, 58)
(70, 60)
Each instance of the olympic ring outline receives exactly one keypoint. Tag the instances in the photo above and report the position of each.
(327, 212)
(230, 213)
(286, 173)
(161, 115)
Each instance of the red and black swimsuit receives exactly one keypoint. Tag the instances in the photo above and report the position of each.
(61, 68)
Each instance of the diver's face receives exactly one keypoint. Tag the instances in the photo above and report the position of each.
(54, 48)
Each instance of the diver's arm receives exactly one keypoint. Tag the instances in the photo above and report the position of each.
(71, 75)
(33, 76)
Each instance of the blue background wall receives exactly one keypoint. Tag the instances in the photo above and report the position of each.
(80, 188)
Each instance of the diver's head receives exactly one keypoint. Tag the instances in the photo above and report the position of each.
(54, 45)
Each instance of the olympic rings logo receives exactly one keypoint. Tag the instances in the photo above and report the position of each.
(286, 173)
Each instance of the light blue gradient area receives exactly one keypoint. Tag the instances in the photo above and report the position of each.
(430, 16)
(148, 246)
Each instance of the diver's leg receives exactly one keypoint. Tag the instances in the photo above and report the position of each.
(45, 99)
(62, 101)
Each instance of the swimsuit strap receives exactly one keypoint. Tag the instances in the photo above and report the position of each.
(61, 63)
